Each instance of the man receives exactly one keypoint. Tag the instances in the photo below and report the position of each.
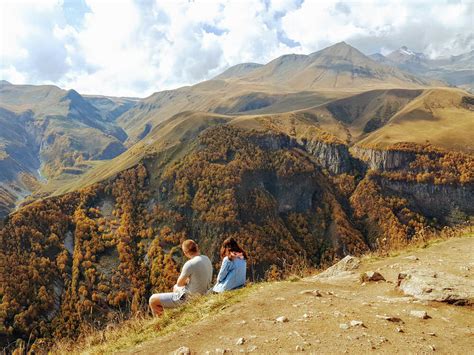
(195, 278)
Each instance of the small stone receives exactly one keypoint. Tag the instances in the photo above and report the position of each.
(280, 299)
(299, 348)
(412, 258)
(221, 351)
(419, 314)
(357, 323)
(432, 347)
(400, 330)
(282, 319)
(315, 293)
(242, 322)
(344, 326)
(389, 318)
(184, 350)
(372, 276)
(252, 348)
(432, 334)
(306, 315)
(240, 341)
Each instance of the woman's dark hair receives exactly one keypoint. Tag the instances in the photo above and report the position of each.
(230, 245)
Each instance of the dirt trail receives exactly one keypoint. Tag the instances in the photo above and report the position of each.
(315, 324)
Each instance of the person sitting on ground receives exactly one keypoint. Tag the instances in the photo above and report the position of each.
(195, 279)
(233, 270)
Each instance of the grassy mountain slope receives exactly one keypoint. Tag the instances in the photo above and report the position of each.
(238, 70)
(111, 107)
(444, 117)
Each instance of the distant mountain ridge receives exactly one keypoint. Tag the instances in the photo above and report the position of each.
(336, 67)
(455, 70)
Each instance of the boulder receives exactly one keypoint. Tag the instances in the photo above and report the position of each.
(439, 286)
(342, 269)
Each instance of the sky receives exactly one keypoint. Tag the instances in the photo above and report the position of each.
(137, 47)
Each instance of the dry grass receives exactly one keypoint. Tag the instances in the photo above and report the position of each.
(130, 333)
(422, 242)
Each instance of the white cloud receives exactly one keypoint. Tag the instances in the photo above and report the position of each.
(136, 47)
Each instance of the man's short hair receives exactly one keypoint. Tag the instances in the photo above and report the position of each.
(190, 246)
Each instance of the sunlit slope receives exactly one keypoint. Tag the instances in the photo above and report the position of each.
(168, 139)
(444, 117)
(219, 96)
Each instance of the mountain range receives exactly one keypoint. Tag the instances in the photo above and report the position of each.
(455, 70)
(303, 160)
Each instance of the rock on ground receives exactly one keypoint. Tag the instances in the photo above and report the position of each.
(184, 350)
(372, 276)
(342, 269)
(419, 314)
(436, 286)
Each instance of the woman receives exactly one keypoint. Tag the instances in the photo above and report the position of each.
(233, 270)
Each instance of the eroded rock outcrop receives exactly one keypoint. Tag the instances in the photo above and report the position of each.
(382, 160)
(438, 286)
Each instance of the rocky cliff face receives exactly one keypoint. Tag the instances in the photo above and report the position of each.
(438, 201)
(378, 159)
(331, 156)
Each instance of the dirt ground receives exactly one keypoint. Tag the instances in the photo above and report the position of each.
(315, 324)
